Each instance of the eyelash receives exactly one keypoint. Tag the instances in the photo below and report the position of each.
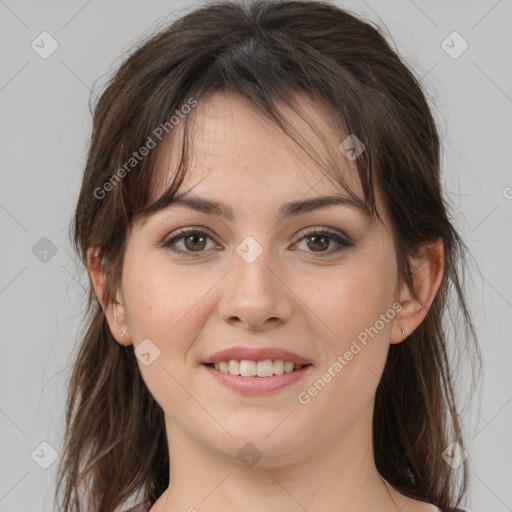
(343, 242)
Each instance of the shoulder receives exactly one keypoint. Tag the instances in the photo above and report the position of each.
(140, 507)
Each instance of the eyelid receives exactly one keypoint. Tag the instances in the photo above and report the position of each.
(326, 231)
(188, 230)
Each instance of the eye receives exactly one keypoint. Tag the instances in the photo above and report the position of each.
(319, 241)
(191, 241)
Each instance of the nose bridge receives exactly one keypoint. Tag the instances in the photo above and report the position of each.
(253, 294)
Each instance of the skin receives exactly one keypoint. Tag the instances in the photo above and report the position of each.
(316, 456)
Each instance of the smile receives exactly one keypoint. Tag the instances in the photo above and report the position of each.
(256, 378)
(247, 368)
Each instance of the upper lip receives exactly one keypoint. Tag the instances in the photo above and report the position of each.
(255, 354)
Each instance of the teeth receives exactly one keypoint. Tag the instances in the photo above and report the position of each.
(278, 366)
(234, 367)
(247, 368)
(264, 368)
(288, 367)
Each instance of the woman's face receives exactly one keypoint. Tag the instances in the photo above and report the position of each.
(254, 277)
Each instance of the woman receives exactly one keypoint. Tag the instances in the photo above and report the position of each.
(270, 258)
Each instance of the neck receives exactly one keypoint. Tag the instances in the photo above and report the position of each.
(340, 475)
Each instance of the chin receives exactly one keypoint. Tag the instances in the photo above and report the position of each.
(261, 439)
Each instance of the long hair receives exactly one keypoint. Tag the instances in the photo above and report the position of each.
(267, 52)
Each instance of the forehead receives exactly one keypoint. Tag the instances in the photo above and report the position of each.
(232, 144)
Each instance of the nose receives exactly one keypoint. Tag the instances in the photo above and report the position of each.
(255, 294)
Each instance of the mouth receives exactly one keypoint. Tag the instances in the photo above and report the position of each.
(256, 370)
(250, 377)
(263, 369)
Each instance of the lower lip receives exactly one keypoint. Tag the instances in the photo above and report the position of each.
(258, 385)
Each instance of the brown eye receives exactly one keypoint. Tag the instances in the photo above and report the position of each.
(323, 243)
(188, 242)
(195, 242)
(318, 242)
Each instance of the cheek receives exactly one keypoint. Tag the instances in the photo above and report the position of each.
(356, 317)
(165, 307)
(349, 301)
(163, 304)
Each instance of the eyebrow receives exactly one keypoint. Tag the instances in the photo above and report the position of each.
(286, 210)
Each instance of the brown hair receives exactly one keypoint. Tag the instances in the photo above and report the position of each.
(266, 51)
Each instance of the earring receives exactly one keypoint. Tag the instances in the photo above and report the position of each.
(124, 332)
(403, 334)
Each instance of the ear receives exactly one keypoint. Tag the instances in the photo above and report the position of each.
(427, 274)
(114, 312)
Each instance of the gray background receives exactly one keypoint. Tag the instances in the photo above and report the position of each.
(44, 129)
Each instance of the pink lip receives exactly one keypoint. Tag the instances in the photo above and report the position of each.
(255, 354)
(258, 385)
